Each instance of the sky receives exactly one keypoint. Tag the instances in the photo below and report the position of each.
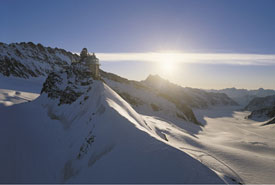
(196, 43)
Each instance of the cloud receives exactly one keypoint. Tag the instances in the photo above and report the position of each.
(202, 58)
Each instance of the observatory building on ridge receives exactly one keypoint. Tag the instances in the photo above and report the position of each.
(90, 61)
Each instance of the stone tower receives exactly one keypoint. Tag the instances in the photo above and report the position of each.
(90, 61)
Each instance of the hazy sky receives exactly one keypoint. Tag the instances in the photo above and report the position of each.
(214, 41)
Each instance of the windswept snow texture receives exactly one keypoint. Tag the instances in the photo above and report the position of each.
(98, 139)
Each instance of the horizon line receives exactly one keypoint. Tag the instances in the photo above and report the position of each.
(191, 58)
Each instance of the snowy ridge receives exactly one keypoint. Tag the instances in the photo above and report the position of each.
(158, 97)
(27, 60)
(95, 137)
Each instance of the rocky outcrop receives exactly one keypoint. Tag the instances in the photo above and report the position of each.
(12, 67)
(262, 109)
(260, 103)
(263, 113)
(68, 85)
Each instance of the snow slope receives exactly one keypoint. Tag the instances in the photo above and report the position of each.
(18, 90)
(242, 144)
(98, 139)
(103, 140)
(145, 101)
(10, 97)
(158, 97)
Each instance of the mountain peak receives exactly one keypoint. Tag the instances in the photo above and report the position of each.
(26, 60)
(157, 81)
(154, 77)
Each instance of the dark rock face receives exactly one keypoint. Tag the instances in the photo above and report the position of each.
(262, 108)
(265, 112)
(270, 122)
(68, 85)
(260, 103)
(51, 85)
(27, 60)
(12, 67)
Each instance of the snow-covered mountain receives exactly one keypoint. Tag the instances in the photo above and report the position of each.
(195, 98)
(262, 109)
(80, 131)
(154, 96)
(159, 97)
(146, 100)
(114, 130)
(27, 60)
(244, 96)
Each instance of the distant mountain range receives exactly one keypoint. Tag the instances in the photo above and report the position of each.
(260, 102)
(244, 96)
(155, 95)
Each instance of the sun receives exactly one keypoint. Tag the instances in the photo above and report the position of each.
(167, 63)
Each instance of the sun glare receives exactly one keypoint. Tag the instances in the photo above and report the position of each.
(168, 62)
